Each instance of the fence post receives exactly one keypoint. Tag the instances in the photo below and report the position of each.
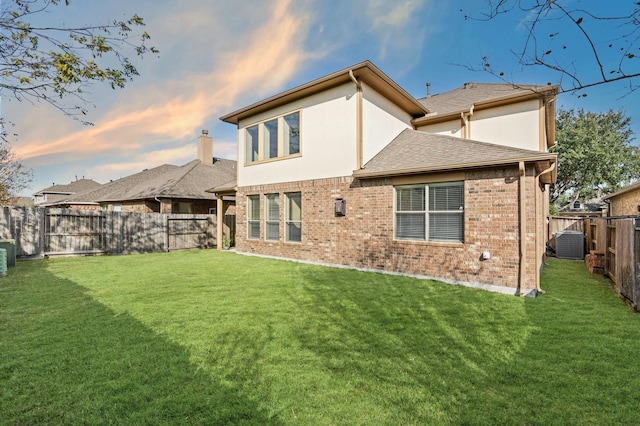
(42, 215)
(636, 264)
(165, 223)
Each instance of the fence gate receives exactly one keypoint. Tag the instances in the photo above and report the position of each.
(74, 232)
(190, 231)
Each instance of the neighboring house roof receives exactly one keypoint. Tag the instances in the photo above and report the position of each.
(414, 152)
(122, 184)
(470, 94)
(362, 72)
(56, 192)
(586, 206)
(189, 181)
(623, 191)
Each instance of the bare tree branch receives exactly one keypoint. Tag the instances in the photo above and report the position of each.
(552, 26)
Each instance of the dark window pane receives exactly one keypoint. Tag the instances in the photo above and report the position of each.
(292, 133)
(270, 138)
(251, 144)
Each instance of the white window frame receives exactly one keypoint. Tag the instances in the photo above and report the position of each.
(264, 143)
(250, 219)
(429, 213)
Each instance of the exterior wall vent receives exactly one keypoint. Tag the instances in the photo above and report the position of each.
(570, 245)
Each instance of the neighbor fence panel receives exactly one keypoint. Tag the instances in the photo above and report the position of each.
(137, 232)
(625, 258)
(191, 231)
(561, 223)
(25, 226)
(619, 240)
(39, 231)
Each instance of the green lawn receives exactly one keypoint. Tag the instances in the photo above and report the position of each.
(204, 337)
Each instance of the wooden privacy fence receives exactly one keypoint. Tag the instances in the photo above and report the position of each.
(560, 223)
(39, 231)
(618, 240)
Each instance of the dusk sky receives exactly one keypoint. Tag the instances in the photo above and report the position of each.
(218, 56)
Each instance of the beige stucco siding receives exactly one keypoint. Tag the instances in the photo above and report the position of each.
(517, 125)
(327, 140)
(514, 125)
(382, 121)
(448, 128)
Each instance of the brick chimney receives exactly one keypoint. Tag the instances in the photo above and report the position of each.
(205, 148)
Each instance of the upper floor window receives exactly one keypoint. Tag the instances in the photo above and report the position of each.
(433, 212)
(278, 137)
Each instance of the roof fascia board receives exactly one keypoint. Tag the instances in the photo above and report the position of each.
(623, 191)
(363, 174)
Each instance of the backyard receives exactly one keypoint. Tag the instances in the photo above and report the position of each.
(207, 337)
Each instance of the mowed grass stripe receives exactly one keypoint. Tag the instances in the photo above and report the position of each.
(216, 338)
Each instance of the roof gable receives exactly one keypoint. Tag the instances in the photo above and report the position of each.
(363, 71)
(77, 186)
(474, 94)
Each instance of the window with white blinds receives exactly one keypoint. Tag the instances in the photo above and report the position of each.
(272, 217)
(293, 217)
(430, 212)
(253, 216)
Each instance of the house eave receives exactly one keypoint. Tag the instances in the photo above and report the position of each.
(363, 71)
(542, 163)
(229, 190)
(69, 203)
(623, 191)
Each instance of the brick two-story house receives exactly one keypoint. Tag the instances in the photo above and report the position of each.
(351, 170)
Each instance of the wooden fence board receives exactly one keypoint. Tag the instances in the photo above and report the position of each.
(619, 240)
(625, 259)
(561, 223)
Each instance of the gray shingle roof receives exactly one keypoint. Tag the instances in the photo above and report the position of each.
(188, 181)
(77, 186)
(462, 98)
(414, 150)
(122, 184)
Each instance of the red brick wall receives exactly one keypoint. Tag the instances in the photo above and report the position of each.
(364, 237)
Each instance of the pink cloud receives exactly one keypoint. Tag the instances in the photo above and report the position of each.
(176, 110)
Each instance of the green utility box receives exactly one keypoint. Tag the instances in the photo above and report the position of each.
(10, 247)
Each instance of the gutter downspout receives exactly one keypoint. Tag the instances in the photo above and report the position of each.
(358, 120)
(466, 116)
(522, 227)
